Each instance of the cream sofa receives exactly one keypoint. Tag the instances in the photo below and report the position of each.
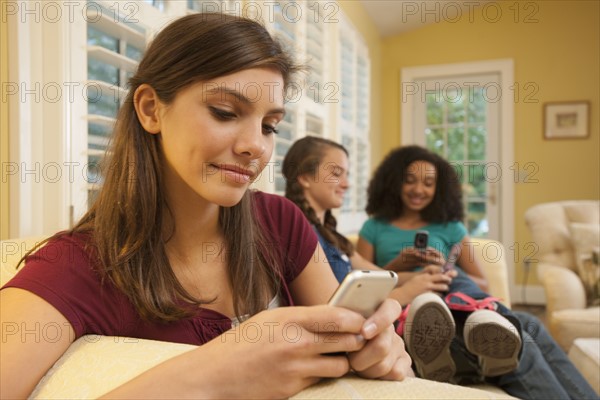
(93, 365)
(561, 230)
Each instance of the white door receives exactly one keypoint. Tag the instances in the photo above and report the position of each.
(465, 112)
(458, 118)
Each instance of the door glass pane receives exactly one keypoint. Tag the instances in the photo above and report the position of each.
(476, 219)
(435, 140)
(456, 148)
(475, 181)
(477, 136)
(455, 128)
(476, 106)
(456, 107)
(435, 110)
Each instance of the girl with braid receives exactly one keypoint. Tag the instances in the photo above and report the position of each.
(316, 173)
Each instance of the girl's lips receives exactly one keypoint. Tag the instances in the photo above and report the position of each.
(416, 201)
(236, 173)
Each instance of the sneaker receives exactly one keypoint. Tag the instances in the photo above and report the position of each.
(428, 331)
(494, 340)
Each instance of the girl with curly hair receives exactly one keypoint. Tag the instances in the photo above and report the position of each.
(470, 336)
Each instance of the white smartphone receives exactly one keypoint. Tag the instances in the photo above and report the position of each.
(364, 291)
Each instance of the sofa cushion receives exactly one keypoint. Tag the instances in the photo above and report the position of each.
(549, 226)
(583, 211)
(567, 325)
(585, 239)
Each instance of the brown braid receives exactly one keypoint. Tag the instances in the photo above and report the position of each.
(304, 157)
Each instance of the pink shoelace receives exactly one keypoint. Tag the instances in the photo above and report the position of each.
(470, 304)
(402, 320)
(467, 304)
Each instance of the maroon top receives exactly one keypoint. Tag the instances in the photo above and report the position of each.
(62, 274)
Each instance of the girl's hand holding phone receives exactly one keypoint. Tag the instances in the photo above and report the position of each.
(384, 355)
(411, 257)
(433, 256)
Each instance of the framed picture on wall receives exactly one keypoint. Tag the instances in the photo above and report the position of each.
(567, 120)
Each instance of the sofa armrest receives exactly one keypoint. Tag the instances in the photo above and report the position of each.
(94, 365)
(491, 256)
(562, 287)
(12, 250)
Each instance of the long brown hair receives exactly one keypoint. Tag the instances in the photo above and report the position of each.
(129, 218)
(305, 157)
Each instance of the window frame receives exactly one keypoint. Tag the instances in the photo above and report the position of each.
(46, 135)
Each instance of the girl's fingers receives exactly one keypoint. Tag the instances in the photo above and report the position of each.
(383, 357)
(331, 366)
(439, 287)
(331, 343)
(376, 351)
(432, 269)
(386, 314)
(328, 319)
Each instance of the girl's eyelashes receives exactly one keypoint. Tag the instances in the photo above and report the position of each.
(224, 115)
(268, 129)
(221, 114)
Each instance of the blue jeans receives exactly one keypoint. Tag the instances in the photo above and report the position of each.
(545, 371)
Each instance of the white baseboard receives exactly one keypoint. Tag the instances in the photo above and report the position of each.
(527, 295)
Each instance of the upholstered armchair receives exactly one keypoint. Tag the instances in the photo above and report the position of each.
(566, 234)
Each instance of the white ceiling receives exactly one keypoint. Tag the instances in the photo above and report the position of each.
(393, 17)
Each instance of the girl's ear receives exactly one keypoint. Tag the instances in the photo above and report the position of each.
(147, 106)
(304, 181)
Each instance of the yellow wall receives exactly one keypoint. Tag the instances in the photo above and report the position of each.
(559, 55)
(3, 131)
(358, 17)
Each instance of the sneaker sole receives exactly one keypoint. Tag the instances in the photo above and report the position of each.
(494, 340)
(428, 332)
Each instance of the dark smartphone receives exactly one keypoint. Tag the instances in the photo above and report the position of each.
(421, 239)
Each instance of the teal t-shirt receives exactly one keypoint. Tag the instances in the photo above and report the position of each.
(388, 240)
